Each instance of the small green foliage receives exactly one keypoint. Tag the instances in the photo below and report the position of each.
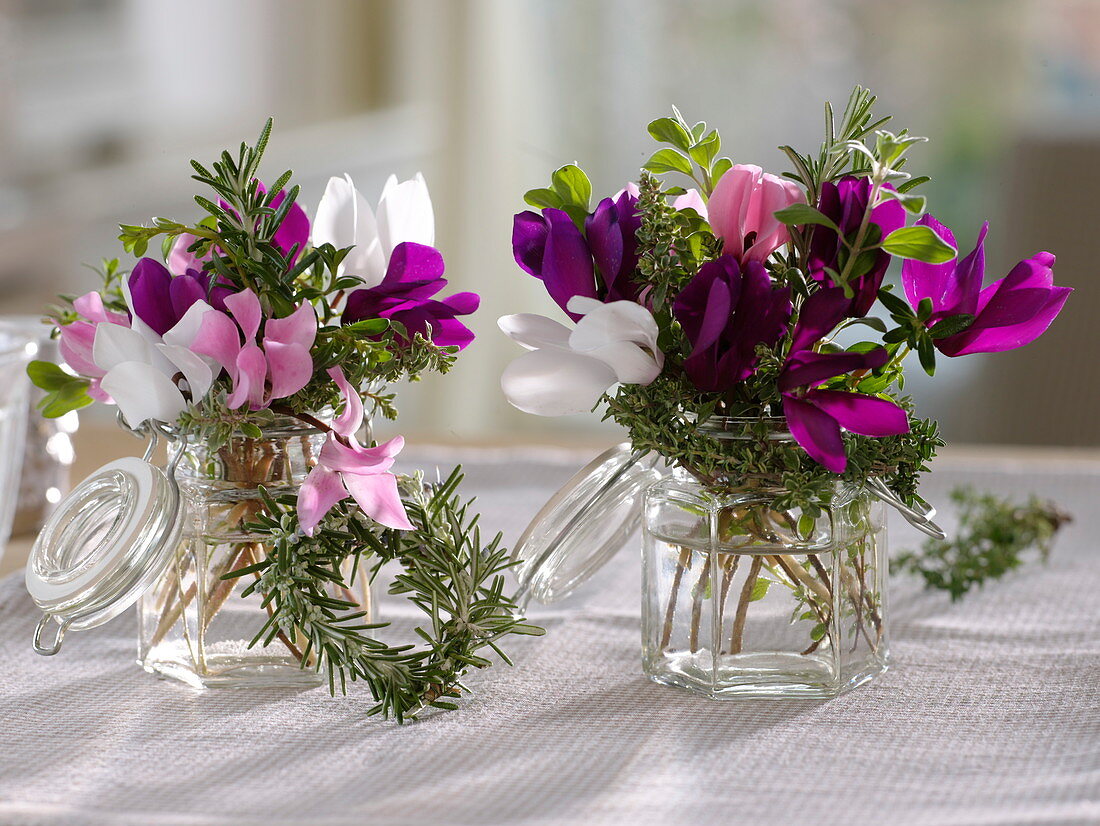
(447, 572)
(64, 391)
(994, 536)
(570, 190)
(694, 151)
(920, 243)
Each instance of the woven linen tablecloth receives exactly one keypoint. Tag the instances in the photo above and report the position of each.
(990, 714)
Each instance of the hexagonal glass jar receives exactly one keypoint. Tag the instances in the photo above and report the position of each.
(744, 597)
(194, 625)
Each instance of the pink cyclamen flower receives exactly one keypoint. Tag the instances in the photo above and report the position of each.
(741, 211)
(278, 368)
(77, 339)
(1009, 313)
(346, 468)
(815, 416)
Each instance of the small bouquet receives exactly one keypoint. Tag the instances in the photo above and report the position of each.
(260, 343)
(709, 322)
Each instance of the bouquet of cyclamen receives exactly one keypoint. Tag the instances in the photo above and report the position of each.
(708, 321)
(725, 299)
(262, 324)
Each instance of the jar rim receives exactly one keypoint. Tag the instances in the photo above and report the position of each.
(732, 427)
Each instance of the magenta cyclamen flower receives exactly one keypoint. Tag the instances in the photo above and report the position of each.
(741, 211)
(725, 312)
(815, 416)
(346, 468)
(414, 275)
(160, 299)
(845, 203)
(598, 263)
(278, 368)
(1007, 314)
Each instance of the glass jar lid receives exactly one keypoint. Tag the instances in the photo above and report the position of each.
(583, 525)
(106, 544)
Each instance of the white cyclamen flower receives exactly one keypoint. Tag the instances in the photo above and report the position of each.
(344, 219)
(140, 366)
(568, 370)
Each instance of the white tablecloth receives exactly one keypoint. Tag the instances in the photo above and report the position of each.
(990, 715)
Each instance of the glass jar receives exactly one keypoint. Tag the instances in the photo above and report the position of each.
(744, 596)
(195, 625)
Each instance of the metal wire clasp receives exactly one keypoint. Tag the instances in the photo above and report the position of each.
(59, 635)
(919, 519)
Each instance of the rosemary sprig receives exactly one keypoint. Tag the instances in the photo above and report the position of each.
(447, 572)
(994, 537)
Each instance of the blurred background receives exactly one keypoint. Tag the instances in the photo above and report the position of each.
(102, 103)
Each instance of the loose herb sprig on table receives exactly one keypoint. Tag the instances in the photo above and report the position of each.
(994, 536)
(447, 572)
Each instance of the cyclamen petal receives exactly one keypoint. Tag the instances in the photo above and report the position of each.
(218, 338)
(300, 327)
(529, 233)
(149, 296)
(567, 268)
(75, 347)
(321, 489)
(180, 260)
(356, 459)
(534, 331)
(245, 309)
(289, 368)
(555, 383)
(351, 418)
(860, 413)
(143, 392)
(807, 369)
(114, 345)
(196, 371)
(251, 376)
(816, 432)
(378, 497)
(405, 213)
(623, 335)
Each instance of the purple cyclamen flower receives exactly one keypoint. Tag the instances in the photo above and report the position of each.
(725, 312)
(598, 263)
(413, 276)
(160, 299)
(845, 203)
(815, 416)
(1007, 314)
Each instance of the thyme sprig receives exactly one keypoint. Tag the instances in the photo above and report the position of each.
(447, 572)
(994, 537)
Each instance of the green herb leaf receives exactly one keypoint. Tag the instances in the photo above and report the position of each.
(760, 589)
(919, 243)
(47, 375)
(668, 130)
(668, 160)
(801, 214)
(572, 186)
(951, 325)
(542, 198)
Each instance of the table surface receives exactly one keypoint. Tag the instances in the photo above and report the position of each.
(990, 714)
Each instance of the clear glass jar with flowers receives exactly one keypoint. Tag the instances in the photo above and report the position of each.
(741, 332)
(260, 344)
